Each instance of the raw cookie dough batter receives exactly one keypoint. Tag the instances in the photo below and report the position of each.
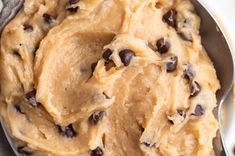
(107, 77)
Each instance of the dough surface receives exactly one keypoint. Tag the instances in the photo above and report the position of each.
(107, 77)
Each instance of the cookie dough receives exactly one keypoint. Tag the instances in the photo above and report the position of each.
(107, 78)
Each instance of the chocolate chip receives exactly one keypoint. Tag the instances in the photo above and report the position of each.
(96, 117)
(97, 152)
(28, 28)
(18, 108)
(189, 73)
(23, 151)
(162, 45)
(73, 1)
(48, 18)
(93, 66)
(234, 150)
(108, 65)
(181, 113)
(31, 97)
(73, 9)
(126, 56)
(195, 89)
(172, 65)
(106, 54)
(199, 111)
(67, 131)
(170, 18)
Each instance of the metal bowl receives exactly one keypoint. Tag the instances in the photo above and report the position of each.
(214, 42)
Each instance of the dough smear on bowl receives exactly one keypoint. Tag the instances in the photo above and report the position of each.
(107, 78)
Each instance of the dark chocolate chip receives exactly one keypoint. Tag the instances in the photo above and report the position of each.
(67, 131)
(73, 1)
(108, 65)
(188, 73)
(170, 18)
(31, 97)
(97, 152)
(234, 150)
(199, 111)
(181, 113)
(18, 108)
(195, 89)
(172, 65)
(96, 117)
(28, 28)
(73, 9)
(48, 18)
(23, 151)
(93, 66)
(163, 45)
(126, 56)
(106, 54)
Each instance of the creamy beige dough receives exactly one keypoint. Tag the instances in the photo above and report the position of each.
(107, 77)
